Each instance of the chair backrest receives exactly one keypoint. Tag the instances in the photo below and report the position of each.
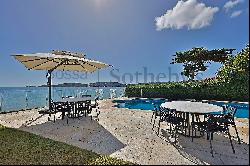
(224, 109)
(175, 113)
(70, 106)
(155, 107)
(59, 106)
(163, 113)
(229, 110)
(163, 109)
(80, 104)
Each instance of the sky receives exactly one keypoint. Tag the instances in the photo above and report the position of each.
(137, 37)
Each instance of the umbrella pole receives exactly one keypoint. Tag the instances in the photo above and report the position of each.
(98, 75)
(49, 85)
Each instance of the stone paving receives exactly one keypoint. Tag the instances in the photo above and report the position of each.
(127, 134)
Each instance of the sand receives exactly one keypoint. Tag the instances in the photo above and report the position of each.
(127, 134)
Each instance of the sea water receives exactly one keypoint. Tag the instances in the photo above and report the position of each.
(17, 98)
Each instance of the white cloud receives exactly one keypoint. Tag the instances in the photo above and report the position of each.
(230, 4)
(236, 13)
(190, 14)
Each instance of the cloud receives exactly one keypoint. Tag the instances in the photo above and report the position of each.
(190, 14)
(236, 13)
(230, 4)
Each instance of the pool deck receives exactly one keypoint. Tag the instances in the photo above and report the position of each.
(127, 134)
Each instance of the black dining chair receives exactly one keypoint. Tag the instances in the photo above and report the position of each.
(199, 122)
(176, 120)
(159, 112)
(81, 108)
(71, 109)
(95, 105)
(89, 108)
(229, 119)
(211, 124)
(154, 115)
(59, 107)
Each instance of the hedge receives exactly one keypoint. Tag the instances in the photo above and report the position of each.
(199, 90)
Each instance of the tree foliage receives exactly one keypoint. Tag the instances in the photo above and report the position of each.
(196, 59)
(236, 69)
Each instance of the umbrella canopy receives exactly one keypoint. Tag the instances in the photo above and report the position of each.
(59, 60)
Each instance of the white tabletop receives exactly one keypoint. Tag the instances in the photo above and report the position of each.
(193, 107)
(75, 99)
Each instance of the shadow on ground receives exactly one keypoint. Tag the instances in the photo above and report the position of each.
(81, 132)
(198, 151)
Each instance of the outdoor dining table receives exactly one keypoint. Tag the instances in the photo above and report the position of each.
(74, 100)
(191, 108)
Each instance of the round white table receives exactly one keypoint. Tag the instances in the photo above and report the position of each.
(189, 107)
(192, 107)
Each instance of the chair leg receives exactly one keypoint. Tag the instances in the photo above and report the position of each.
(192, 128)
(170, 131)
(237, 133)
(176, 130)
(152, 117)
(154, 122)
(159, 125)
(195, 131)
(230, 138)
(211, 146)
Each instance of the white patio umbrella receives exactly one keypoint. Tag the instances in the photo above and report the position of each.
(59, 60)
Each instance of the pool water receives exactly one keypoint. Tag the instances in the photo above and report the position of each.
(147, 104)
(143, 104)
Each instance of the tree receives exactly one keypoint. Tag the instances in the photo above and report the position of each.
(196, 59)
(236, 68)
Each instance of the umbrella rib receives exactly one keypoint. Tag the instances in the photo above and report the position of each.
(31, 60)
(39, 65)
(58, 65)
(47, 62)
(82, 66)
(91, 65)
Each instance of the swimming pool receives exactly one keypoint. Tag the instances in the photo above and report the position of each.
(147, 104)
(143, 104)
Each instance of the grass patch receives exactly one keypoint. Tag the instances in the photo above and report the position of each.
(22, 148)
